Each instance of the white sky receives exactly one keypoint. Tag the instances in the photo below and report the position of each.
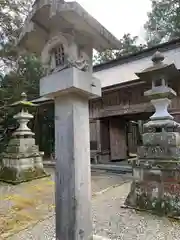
(119, 16)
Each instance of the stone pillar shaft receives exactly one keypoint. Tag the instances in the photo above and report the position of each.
(73, 177)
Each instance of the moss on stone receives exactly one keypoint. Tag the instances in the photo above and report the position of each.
(12, 176)
(141, 199)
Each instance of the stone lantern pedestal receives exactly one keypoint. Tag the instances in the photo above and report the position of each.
(156, 185)
(22, 161)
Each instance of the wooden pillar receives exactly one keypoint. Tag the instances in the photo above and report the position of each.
(104, 135)
(118, 139)
(98, 135)
(95, 138)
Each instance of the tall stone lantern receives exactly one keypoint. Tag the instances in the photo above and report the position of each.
(64, 34)
(156, 185)
(22, 161)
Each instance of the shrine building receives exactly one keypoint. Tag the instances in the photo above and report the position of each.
(116, 118)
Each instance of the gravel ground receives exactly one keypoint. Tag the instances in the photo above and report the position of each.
(26, 204)
(110, 220)
(114, 222)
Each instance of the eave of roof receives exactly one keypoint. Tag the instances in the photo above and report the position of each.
(175, 43)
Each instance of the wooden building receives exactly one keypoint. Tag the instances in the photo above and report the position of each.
(116, 118)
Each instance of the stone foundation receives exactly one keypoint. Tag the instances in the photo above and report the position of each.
(157, 191)
(22, 161)
(16, 170)
(14, 176)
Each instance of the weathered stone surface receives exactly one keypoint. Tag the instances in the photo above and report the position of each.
(161, 125)
(159, 152)
(156, 185)
(13, 176)
(75, 19)
(159, 197)
(19, 166)
(165, 123)
(161, 91)
(22, 161)
(166, 139)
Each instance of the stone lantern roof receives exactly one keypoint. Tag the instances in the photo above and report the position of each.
(66, 17)
(158, 69)
(23, 102)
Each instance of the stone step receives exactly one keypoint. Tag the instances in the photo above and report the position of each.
(105, 167)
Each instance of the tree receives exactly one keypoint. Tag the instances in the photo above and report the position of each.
(22, 73)
(25, 78)
(128, 46)
(163, 21)
(18, 73)
(12, 15)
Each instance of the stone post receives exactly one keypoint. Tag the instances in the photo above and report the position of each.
(72, 151)
(73, 177)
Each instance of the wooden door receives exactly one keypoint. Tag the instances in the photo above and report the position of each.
(132, 133)
(118, 139)
(95, 141)
(104, 135)
(93, 135)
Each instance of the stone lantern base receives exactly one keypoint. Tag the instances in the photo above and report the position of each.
(156, 189)
(19, 166)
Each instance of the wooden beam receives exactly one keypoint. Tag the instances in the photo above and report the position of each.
(123, 85)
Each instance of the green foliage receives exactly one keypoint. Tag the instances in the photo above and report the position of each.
(12, 15)
(163, 21)
(25, 78)
(19, 73)
(128, 46)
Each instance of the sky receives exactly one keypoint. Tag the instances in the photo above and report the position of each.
(119, 16)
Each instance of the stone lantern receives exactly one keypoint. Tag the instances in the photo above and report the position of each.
(22, 161)
(64, 35)
(156, 173)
